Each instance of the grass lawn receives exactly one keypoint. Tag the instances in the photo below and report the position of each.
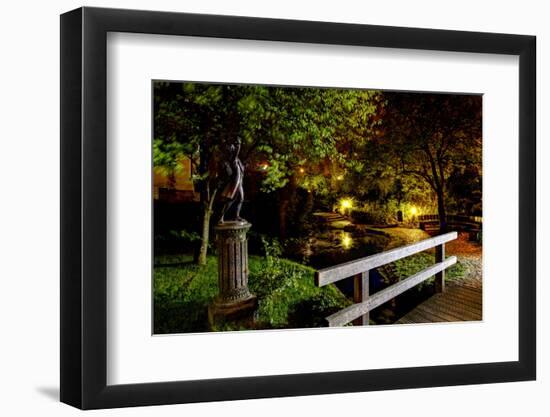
(287, 295)
(400, 236)
(420, 261)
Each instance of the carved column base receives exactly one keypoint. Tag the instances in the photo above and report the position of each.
(241, 312)
(234, 302)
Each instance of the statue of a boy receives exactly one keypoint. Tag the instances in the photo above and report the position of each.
(233, 193)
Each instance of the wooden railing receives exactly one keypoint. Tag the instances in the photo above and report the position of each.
(468, 223)
(359, 270)
(451, 218)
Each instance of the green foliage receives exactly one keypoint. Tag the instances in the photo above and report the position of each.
(374, 213)
(413, 264)
(185, 235)
(283, 126)
(181, 239)
(271, 275)
(282, 129)
(287, 295)
(385, 212)
(182, 292)
(275, 174)
(426, 149)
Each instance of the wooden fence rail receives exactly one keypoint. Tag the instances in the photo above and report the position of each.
(451, 218)
(359, 270)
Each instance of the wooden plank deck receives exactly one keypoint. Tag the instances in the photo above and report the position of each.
(459, 302)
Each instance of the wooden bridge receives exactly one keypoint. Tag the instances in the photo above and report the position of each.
(470, 224)
(458, 302)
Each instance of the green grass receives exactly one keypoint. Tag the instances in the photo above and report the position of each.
(400, 236)
(411, 265)
(287, 295)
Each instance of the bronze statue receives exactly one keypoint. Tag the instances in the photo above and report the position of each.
(233, 192)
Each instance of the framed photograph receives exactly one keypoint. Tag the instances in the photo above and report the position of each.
(258, 208)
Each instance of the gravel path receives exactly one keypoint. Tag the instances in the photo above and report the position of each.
(474, 272)
(469, 254)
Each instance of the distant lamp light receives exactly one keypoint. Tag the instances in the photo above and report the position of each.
(346, 204)
(263, 166)
(302, 170)
(414, 211)
(340, 177)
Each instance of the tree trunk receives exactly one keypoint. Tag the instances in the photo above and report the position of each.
(441, 211)
(208, 209)
(283, 207)
(287, 198)
(205, 235)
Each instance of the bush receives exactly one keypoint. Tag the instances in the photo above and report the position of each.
(181, 240)
(386, 212)
(366, 216)
(287, 295)
(374, 213)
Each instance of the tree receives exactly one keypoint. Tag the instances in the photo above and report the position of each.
(196, 121)
(291, 132)
(429, 135)
(313, 129)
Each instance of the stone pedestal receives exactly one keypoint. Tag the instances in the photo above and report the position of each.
(234, 301)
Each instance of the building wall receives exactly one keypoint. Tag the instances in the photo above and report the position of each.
(176, 186)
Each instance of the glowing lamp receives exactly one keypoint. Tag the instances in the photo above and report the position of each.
(346, 203)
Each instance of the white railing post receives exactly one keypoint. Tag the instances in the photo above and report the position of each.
(359, 269)
(440, 276)
(360, 294)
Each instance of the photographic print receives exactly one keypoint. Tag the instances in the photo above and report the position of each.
(286, 207)
(223, 177)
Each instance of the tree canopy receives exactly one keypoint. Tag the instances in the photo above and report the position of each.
(371, 144)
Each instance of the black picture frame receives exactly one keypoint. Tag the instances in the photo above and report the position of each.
(84, 207)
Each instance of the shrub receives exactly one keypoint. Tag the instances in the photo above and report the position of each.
(366, 216)
(373, 213)
(287, 295)
(183, 240)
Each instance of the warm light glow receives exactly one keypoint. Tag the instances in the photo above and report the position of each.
(414, 211)
(263, 166)
(346, 240)
(346, 204)
(302, 170)
(340, 177)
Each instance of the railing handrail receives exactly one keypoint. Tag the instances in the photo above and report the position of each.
(357, 310)
(460, 218)
(360, 270)
(336, 273)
